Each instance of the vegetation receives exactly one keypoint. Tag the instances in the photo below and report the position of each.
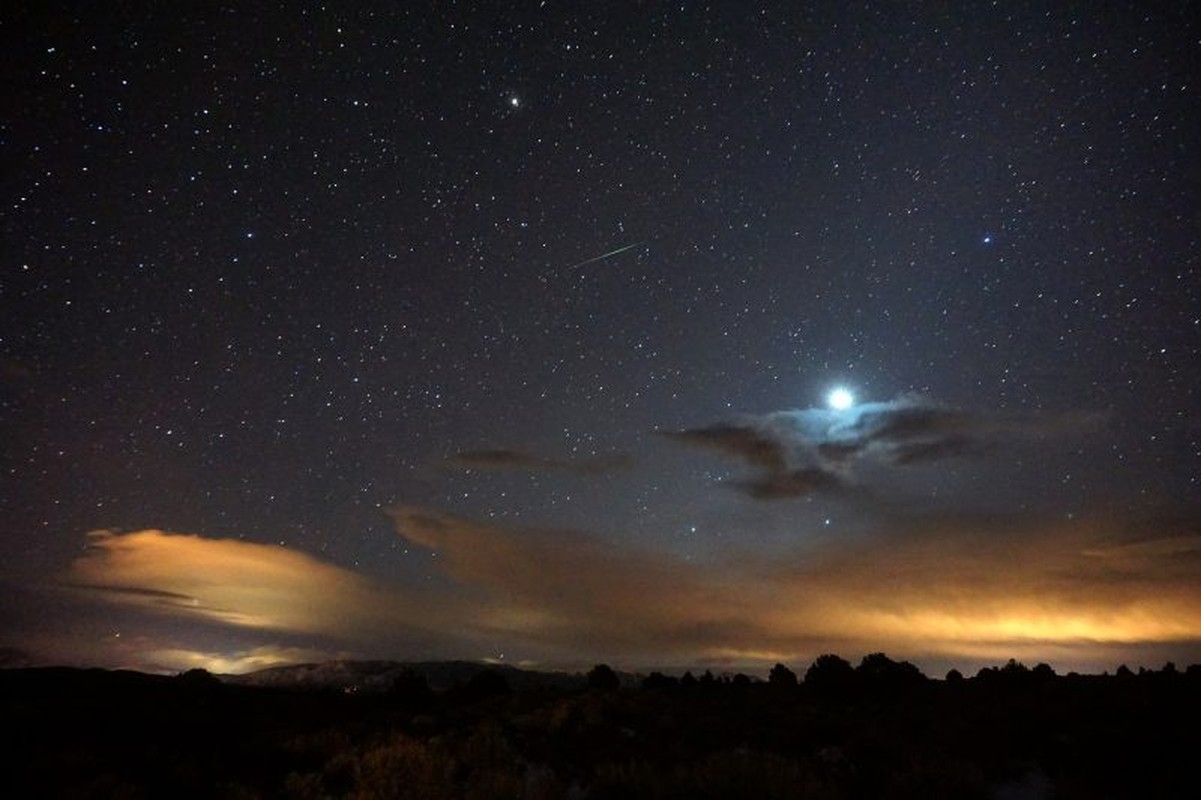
(879, 729)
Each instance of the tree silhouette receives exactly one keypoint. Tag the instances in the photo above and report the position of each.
(883, 674)
(602, 678)
(830, 675)
(198, 678)
(1043, 671)
(657, 680)
(781, 675)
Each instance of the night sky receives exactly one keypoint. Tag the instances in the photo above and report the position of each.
(510, 330)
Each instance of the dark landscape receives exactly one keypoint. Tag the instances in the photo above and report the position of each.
(460, 730)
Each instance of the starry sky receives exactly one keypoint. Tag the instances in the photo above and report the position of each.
(508, 330)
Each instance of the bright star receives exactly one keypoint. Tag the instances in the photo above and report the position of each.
(840, 399)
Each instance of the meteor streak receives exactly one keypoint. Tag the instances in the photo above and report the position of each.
(602, 257)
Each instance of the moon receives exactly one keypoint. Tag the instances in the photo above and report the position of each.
(840, 399)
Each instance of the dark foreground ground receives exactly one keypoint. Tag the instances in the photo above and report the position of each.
(878, 731)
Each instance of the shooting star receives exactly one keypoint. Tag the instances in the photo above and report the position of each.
(602, 257)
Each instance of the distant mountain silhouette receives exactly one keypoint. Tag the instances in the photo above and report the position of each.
(380, 676)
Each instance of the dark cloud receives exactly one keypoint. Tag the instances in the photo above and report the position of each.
(913, 429)
(795, 483)
(762, 447)
(741, 441)
(935, 450)
(806, 451)
(520, 461)
(135, 591)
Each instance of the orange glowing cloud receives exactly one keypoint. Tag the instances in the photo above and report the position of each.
(933, 589)
(238, 583)
(1080, 594)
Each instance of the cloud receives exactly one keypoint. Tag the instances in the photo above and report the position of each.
(753, 443)
(519, 461)
(773, 485)
(962, 589)
(160, 600)
(772, 449)
(235, 582)
(561, 587)
(947, 588)
(807, 451)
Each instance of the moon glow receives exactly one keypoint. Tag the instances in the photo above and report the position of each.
(840, 399)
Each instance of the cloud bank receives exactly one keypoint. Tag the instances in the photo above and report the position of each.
(951, 588)
(963, 590)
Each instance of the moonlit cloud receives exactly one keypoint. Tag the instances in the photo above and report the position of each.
(807, 451)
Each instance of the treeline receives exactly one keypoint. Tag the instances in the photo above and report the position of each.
(833, 674)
